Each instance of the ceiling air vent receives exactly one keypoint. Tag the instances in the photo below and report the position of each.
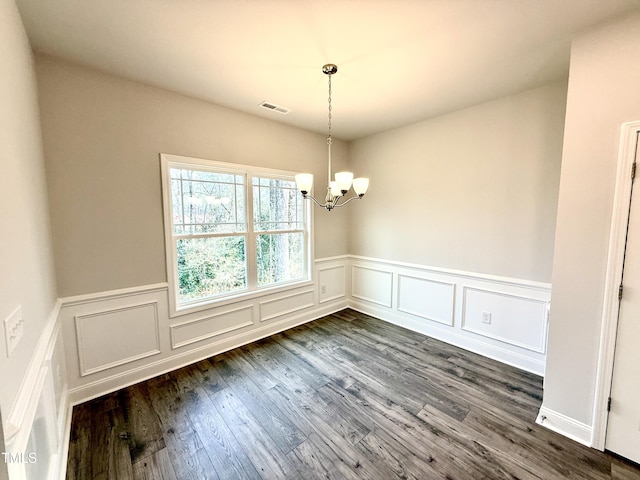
(275, 108)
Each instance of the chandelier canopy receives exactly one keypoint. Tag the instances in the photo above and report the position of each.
(336, 189)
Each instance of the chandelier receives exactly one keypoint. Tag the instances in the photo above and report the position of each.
(336, 189)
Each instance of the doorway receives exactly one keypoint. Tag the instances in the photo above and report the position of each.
(617, 243)
(623, 424)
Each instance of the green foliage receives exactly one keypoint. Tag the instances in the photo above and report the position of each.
(210, 266)
(209, 203)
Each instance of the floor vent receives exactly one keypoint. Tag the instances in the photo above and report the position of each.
(275, 108)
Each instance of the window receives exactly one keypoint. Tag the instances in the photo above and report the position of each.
(231, 229)
(278, 223)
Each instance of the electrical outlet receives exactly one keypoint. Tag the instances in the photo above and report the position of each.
(13, 329)
(486, 318)
(323, 289)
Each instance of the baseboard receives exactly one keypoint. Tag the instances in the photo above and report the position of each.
(566, 426)
(454, 338)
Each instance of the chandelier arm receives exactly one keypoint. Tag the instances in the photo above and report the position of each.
(358, 197)
(332, 204)
(309, 197)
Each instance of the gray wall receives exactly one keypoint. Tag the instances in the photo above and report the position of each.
(26, 261)
(604, 85)
(102, 138)
(474, 190)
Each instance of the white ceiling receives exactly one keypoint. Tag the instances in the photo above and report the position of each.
(399, 61)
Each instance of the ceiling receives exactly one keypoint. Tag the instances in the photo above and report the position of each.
(399, 61)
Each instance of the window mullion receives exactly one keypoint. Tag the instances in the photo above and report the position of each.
(273, 232)
(183, 219)
(187, 236)
(251, 240)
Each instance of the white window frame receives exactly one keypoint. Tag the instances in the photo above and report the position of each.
(168, 161)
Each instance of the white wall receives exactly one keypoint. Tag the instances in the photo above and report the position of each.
(102, 138)
(604, 82)
(474, 190)
(26, 260)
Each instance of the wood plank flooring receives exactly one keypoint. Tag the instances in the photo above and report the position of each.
(344, 397)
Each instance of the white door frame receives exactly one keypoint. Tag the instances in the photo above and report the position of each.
(617, 239)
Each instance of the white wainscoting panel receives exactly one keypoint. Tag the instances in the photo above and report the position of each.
(448, 305)
(109, 338)
(425, 298)
(287, 304)
(331, 283)
(118, 338)
(114, 339)
(514, 319)
(372, 284)
(211, 326)
(38, 429)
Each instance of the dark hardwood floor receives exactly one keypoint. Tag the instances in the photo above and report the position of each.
(344, 397)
